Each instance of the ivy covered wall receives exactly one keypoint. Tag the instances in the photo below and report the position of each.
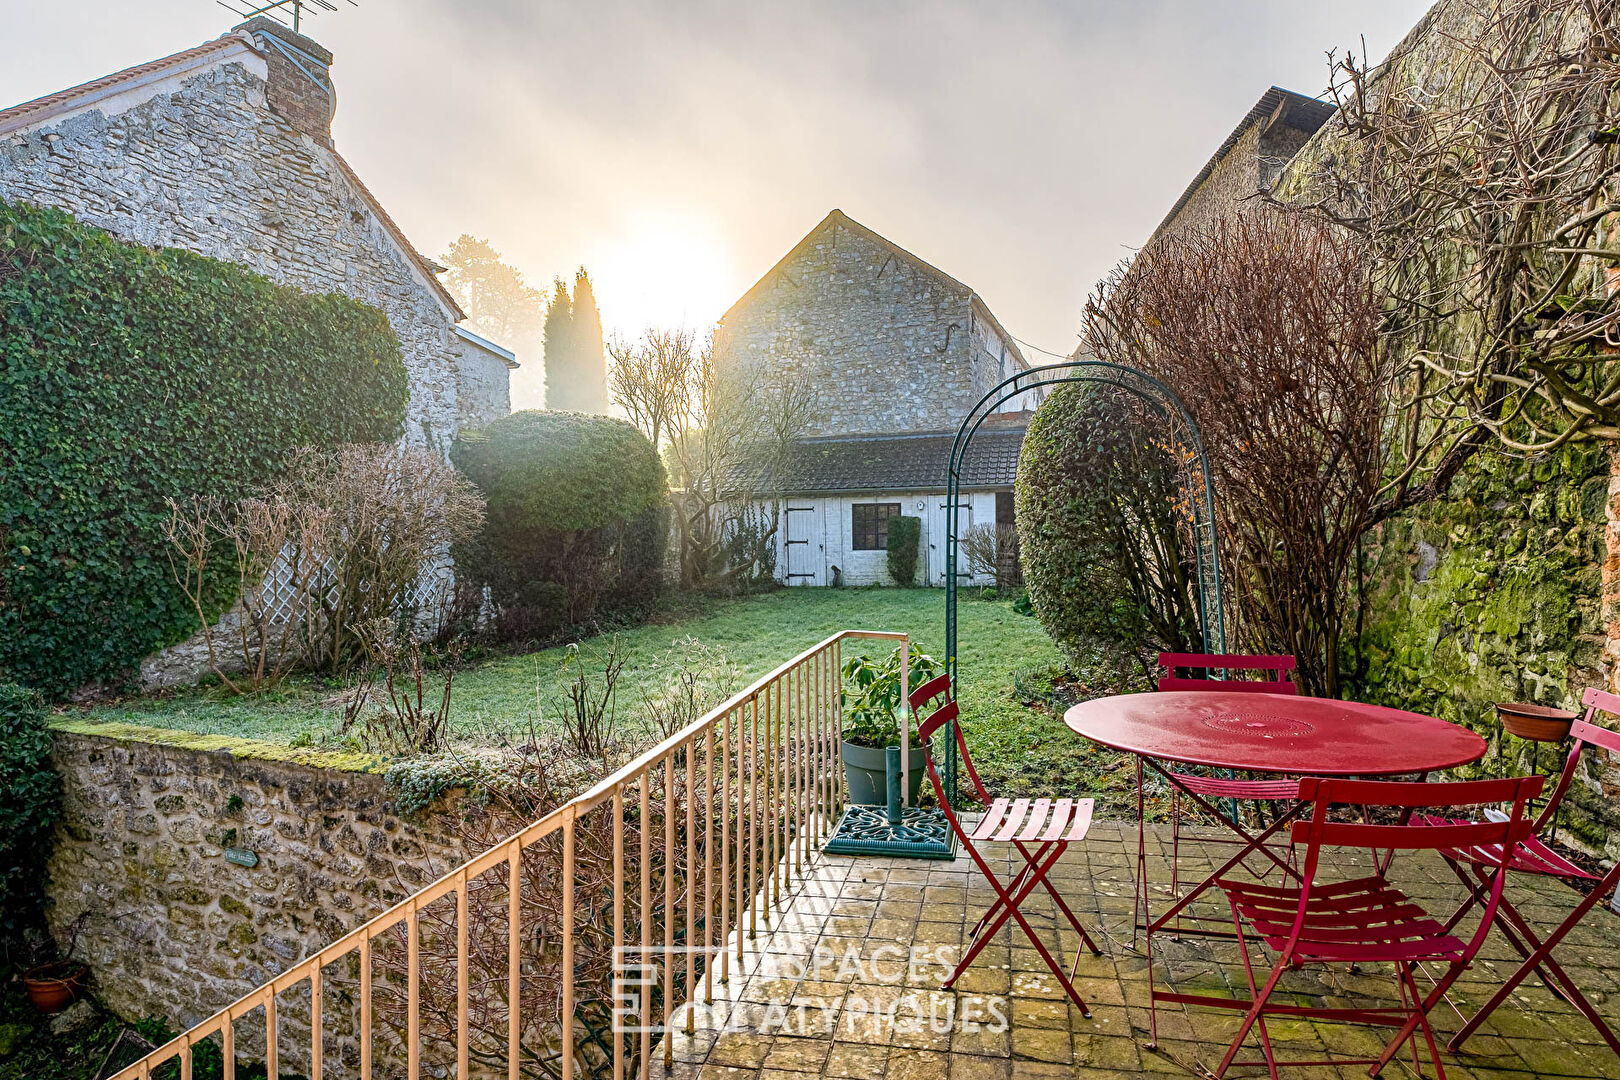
(1495, 594)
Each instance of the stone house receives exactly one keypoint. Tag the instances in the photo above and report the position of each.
(226, 150)
(893, 353)
(1250, 160)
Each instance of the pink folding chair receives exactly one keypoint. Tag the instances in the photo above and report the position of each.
(1041, 830)
(1203, 789)
(1535, 857)
(1367, 920)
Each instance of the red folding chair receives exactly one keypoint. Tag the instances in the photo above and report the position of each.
(1472, 865)
(1040, 829)
(1367, 920)
(1204, 789)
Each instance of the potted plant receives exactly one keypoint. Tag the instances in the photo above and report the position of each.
(872, 708)
(52, 985)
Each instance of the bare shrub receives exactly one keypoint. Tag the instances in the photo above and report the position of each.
(257, 548)
(591, 714)
(1480, 172)
(413, 715)
(696, 677)
(387, 517)
(1264, 323)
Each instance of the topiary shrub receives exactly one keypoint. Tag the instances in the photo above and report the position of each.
(30, 808)
(1099, 530)
(575, 523)
(904, 536)
(130, 376)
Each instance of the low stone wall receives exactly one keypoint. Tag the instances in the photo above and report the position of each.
(155, 829)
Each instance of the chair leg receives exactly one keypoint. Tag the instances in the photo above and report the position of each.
(1260, 1018)
(1543, 954)
(1250, 1018)
(1175, 855)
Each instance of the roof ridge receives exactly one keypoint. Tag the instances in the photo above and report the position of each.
(46, 102)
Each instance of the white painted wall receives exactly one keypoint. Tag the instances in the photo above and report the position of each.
(818, 534)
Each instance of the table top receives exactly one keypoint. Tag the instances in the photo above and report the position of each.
(1274, 733)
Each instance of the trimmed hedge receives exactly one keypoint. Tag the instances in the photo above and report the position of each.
(128, 376)
(1099, 534)
(30, 808)
(576, 522)
(905, 537)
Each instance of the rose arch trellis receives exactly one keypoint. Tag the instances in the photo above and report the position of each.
(923, 833)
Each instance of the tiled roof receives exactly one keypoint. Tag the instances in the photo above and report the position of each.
(898, 463)
(50, 102)
(1307, 113)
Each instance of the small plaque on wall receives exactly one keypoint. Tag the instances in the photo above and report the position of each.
(241, 856)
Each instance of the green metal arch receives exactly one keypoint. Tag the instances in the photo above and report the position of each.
(1212, 623)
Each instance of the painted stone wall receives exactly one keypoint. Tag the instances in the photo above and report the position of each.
(174, 928)
(1501, 592)
(883, 345)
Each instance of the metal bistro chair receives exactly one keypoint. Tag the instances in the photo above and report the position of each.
(1535, 857)
(1040, 829)
(1367, 920)
(1203, 788)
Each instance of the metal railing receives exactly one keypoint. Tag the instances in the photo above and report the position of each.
(503, 965)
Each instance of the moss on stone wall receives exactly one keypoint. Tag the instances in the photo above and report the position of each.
(1493, 594)
(254, 749)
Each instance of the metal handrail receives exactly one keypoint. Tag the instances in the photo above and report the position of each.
(801, 785)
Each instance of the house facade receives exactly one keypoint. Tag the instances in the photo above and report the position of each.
(893, 354)
(226, 150)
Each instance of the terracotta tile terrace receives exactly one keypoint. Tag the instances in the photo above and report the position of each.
(844, 982)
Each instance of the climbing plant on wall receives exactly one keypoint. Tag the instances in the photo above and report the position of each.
(128, 376)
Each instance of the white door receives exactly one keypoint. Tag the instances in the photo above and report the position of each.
(937, 513)
(804, 560)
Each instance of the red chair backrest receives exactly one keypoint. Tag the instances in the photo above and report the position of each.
(1277, 666)
(1318, 830)
(1585, 733)
(927, 725)
(1503, 836)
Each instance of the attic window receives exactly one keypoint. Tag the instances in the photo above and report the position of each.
(869, 525)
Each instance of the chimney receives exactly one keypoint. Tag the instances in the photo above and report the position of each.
(300, 80)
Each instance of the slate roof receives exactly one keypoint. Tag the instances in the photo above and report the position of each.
(839, 464)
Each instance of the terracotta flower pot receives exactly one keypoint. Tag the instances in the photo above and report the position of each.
(52, 987)
(1541, 723)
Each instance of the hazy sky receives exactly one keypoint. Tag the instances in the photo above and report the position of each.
(679, 149)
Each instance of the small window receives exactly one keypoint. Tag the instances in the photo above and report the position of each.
(869, 523)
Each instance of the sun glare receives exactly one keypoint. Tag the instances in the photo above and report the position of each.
(663, 271)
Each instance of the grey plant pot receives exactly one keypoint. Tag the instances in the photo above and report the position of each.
(868, 778)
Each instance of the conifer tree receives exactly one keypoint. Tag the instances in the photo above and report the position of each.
(559, 319)
(589, 358)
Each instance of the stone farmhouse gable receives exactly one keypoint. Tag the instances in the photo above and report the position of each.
(226, 150)
(886, 342)
(895, 353)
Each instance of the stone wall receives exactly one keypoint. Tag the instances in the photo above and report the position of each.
(1500, 592)
(204, 163)
(177, 930)
(884, 343)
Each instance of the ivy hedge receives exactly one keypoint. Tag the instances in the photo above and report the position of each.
(129, 376)
(30, 808)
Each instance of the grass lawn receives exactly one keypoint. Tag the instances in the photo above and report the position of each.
(1013, 745)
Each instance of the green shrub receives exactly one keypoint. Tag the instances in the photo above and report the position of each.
(575, 525)
(1100, 534)
(904, 536)
(31, 806)
(128, 376)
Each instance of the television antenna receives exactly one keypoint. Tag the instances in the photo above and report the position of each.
(275, 9)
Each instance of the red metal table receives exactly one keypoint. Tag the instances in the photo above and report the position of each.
(1266, 733)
